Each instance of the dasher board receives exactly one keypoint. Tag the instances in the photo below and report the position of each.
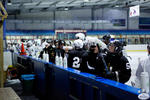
(8, 94)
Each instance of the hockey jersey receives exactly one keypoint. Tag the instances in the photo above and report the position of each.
(75, 58)
(92, 63)
(119, 64)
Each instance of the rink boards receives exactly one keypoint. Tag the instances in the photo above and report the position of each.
(136, 48)
(56, 83)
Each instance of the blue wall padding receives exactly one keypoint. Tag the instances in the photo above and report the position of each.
(30, 33)
(89, 32)
(118, 32)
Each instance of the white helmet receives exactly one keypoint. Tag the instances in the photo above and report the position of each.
(29, 43)
(8, 41)
(46, 44)
(78, 43)
(92, 41)
(80, 36)
(38, 41)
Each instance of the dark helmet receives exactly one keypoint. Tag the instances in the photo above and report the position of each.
(118, 46)
(22, 40)
(43, 40)
(49, 41)
(61, 42)
(106, 37)
(56, 41)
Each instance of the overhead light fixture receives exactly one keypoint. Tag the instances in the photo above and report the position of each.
(66, 8)
(86, 0)
(116, 5)
(9, 2)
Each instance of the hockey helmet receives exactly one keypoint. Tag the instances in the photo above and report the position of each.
(78, 44)
(61, 42)
(92, 42)
(118, 46)
(49, 41)
(23, 40)
(80, 36)
(56, 41)
(29, 43)
(106, 37)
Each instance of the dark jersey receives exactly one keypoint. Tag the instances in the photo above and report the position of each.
(75, 58)
(120, 64)
(93, 63)
(51, 53)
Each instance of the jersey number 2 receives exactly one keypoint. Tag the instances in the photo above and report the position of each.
(76, 63)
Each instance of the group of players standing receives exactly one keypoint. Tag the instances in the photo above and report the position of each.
(91, 55)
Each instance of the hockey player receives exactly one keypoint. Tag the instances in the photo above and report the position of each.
(44, 50)
(44, 43)
(143, 66)
(106, 39)
(75, 56)
(92, 61)
(30, 50)
(51, 51)
(59, 48)
(117, 64)
(37, 47)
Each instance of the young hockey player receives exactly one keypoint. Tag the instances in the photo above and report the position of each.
(117, 64)
(75, 55)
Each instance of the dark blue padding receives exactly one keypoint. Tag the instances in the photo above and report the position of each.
(55, 82)
(39, 70)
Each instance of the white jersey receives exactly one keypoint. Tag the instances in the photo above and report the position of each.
(37, 50)
(30, 51)
(44, 44)
(143, 65)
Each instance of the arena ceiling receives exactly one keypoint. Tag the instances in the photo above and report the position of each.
(17, 6)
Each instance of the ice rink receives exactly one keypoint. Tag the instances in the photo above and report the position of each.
(134, 60)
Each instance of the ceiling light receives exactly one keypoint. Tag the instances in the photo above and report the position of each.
(86, 0)
(9, 2)
(117, 6)
(66, 8)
